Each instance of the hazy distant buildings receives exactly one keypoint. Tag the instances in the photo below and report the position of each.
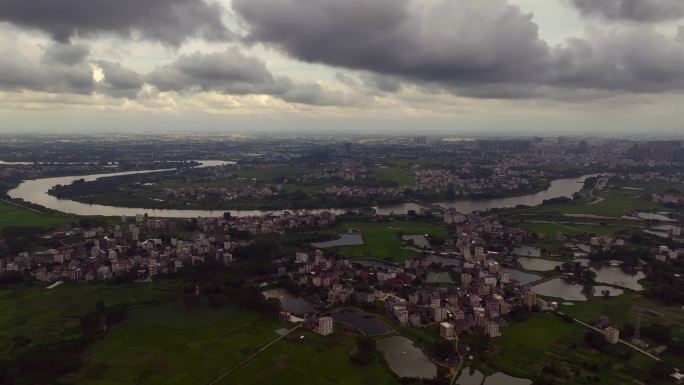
(663, 151)
(419, 140)
(513, 145)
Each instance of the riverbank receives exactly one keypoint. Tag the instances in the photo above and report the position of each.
(36, 191)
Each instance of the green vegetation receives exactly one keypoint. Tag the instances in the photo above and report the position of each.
(550, 229)
(546, 346)
(318, 360)
(47, 315)
(176, 345)
(383, 240)
(398, 176)
(613, 204)
(11, 216)
(523, 344)
(620, 310)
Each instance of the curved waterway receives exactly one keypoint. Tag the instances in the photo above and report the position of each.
(36, 191)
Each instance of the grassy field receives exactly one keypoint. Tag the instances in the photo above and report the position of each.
(620, 310)
(523, 344)
(547, 340)
(550, 229)
(14, 216)
(45, 315)
(162, 345)
(162, 342)
(402, 176)
(319, 361)
(382, 240)
(614, 204)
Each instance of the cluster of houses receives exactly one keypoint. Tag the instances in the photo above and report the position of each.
(485, 295)
(346, 172)
(125, 251)
(439, 180)
(221, 194)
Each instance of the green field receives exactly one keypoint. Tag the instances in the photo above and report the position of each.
(400, 176)
(383, 240)
(620, 310)
(550, 229)
(175, 345)
(523, 344)
(614, 204)
(162, 342)
(15, 216)
(318, 361)
(45, 315)
(546, 340)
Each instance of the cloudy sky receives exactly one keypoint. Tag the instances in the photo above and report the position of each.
(458, 66)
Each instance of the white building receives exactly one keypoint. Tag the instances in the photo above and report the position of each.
(447, 331)
(612, 335)
(325, 326)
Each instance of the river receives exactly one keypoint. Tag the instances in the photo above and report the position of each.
(36, 191)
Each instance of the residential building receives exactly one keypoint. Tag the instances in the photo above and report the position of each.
(325, 326)
(447, 331)
(612, 335)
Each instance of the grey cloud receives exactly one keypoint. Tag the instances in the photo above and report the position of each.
(61, 69)
(636, 60)
(168, 21)
(68, 54)
(119, 81)
(634, 10)
(484, 48)
(386, 84)
(229, 72)
(313, 94)
(232, 72)
(439, 41)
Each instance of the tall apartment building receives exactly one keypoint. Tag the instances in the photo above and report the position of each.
(530, 299)
(325, 326)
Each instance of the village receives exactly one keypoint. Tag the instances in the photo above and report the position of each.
(480, 254)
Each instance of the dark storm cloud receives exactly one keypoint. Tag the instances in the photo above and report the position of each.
(443, 41)
(485, 48)
(168, 21)
(634, 10)
(232, 72)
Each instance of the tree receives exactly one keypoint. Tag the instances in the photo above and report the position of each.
(362, 358)
(444, 349)
(366, 344)
(450, 194)
(660, 371)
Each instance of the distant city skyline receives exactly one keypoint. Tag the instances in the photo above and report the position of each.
(491, 67)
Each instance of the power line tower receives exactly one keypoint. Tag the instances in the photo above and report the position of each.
(637, 326)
